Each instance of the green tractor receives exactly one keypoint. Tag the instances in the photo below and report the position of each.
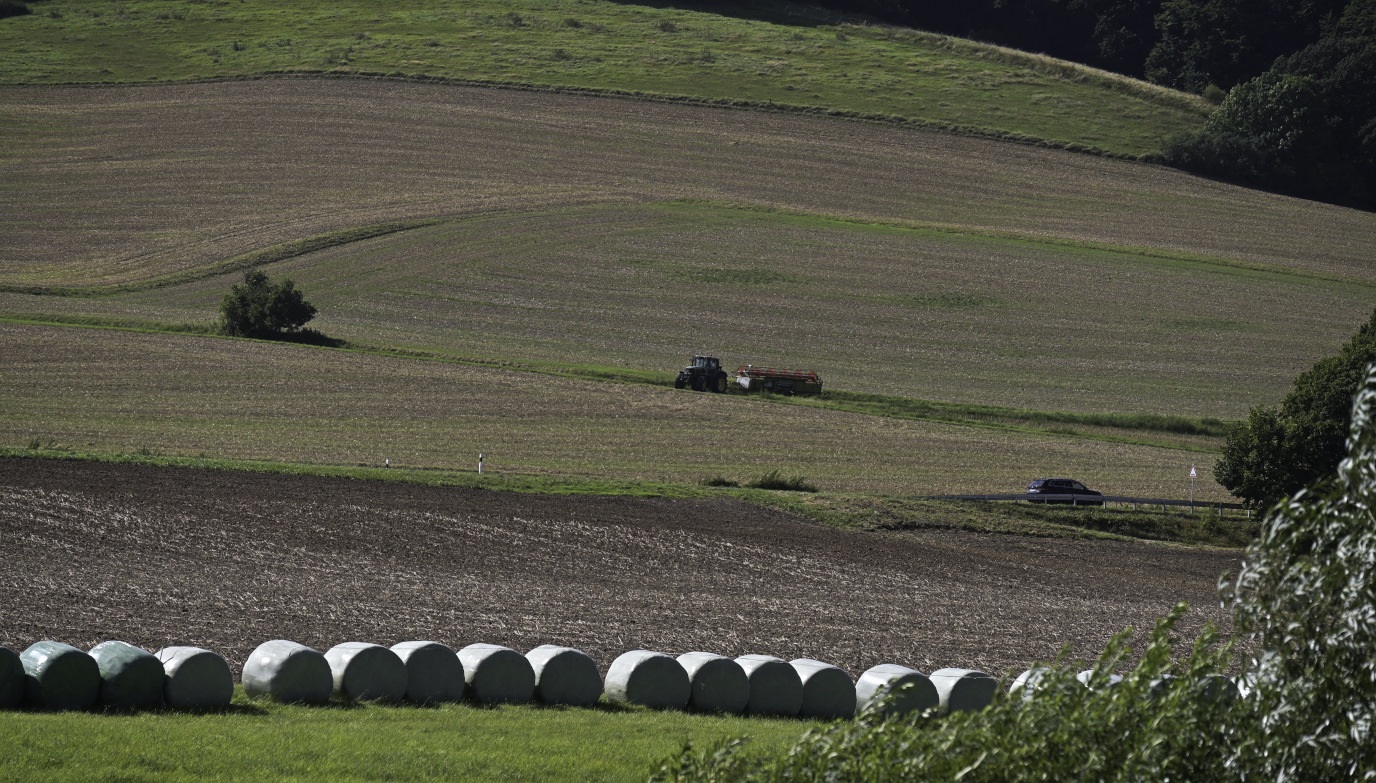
(704, 374)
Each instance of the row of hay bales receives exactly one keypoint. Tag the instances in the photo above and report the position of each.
(52, 675)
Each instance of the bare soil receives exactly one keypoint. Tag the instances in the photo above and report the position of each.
(227, 560)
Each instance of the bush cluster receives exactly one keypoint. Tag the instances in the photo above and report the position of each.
(262, 309)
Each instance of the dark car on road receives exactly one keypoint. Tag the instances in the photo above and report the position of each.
(1078, 493)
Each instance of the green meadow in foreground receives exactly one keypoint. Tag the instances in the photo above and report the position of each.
(260, 740)
(798, 59)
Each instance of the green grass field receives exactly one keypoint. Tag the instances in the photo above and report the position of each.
(262, 740)
(795, 59)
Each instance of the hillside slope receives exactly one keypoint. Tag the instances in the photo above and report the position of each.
(797, 62)
(611, 232)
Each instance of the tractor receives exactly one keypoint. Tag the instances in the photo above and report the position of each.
(704, 374)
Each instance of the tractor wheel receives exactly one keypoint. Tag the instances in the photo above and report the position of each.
(719, 385)
(699, 383)
(679, 383)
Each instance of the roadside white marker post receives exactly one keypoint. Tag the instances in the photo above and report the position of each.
(1193, 474)
(480, 463)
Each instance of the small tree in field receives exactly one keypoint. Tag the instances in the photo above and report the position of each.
(258, 308)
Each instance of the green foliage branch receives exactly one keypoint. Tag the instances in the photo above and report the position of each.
(262, 309)
(1278, 451)
(1306, 597)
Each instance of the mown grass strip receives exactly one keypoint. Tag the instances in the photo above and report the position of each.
(254, 740)
(271, 255)
(1036, 422)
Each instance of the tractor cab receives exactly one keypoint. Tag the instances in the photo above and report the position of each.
(703, 374)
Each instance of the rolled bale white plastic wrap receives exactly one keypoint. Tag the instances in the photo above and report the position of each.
(288, 672)
(890, 678)
(1086, 679)
(715, 683)
(433, 672)
(129, 676)
(11, 679)
(195, 679)
(58, 676)
(1031, 681)
(366, 672)
(496, 674)
(963, 690)
(564, 675)
(650, 679)
(775, 687)
(828, 691)
(1217, 688)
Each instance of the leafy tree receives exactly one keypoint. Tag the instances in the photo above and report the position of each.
(1279, 451)
(1306, 594)
(258, 308)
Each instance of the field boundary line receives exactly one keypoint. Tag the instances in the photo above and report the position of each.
(956, 229)
(736, 104)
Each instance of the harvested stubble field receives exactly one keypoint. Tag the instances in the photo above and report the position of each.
(226, 560)
(602, 231)
(118, 392)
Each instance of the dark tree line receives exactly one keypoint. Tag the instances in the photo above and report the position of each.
(1296, 78)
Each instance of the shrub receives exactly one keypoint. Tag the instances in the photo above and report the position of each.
(262, 309)
(720, 481)
(774, 480)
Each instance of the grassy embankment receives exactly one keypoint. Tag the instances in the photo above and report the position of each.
(791, 59)
(261, 740)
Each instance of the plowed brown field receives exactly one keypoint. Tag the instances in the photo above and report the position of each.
(227, 560)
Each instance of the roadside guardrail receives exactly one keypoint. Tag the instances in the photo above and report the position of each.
(1095, 500)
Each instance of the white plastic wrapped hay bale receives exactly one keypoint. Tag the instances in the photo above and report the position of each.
(195, 679)
(1217, 688)
(288, 672)
(129, 676)
(58, 676)
(11, 679)
(564, 675)
(913, 691)
(366, 672)
(716, 683)
(963, 690)
(496, 674)
(650, 679)
(1030, 681)
(1086, 679)
(433, 672)
(775, 687)
(828, 692)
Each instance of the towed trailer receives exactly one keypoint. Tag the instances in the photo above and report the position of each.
(777, 381)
